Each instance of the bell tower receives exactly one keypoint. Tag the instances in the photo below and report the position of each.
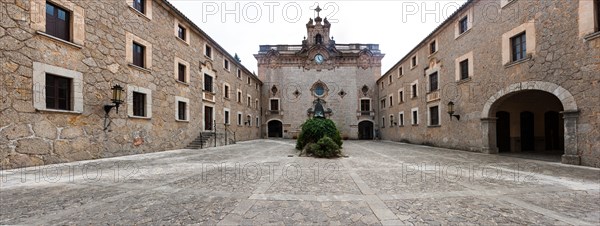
(318, 30)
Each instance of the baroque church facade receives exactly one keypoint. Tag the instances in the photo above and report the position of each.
(341, 77)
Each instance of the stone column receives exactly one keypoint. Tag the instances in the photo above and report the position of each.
(571, 155)
(488, 139)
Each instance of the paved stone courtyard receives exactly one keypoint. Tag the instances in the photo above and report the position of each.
(265, 182)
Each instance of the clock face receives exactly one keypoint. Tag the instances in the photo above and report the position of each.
(319, 59)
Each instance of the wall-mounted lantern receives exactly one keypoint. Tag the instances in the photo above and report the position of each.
(117, 99)
(451, 111)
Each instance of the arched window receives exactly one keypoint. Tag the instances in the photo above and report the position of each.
(319, 39)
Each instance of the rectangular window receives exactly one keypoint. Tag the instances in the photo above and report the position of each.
(208, 83)
(434, 116)
(414, 90)
(239, 73)
(463, 25)
(464, 69)
(257, 122)
(433, 82)
(249, 103)
(401, 96)
(249, 120)
(400, 71)
(181, 72)
(597, 8)
(391, 120)
(239, 119)
(274, 105)
(239, 97)
(413, 61)
(365, 105)
(415, 117)
(248, 80)
(139, 104)
(391, 101)
(181, 110)
(256, 104)
(139, 5)
(58, 92)
(226, 64)
(382, 104)
(432, 47)
(138, 54)
(227, 117)
(226, 91)
(208, 51)
(401, 119)
(519, 47)
(181, 32)
(58, 22)
(382, 122)
(390, 78)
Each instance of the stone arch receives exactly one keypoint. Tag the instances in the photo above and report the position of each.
(570, 114)
(565, 97)
(366, 129)
(274, 128)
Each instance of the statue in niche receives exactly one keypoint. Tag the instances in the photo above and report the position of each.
(319, 111)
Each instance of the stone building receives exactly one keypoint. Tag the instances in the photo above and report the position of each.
(339, 76)
(61, 58)
(502, 76)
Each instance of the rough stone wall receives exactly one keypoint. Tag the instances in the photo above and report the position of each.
(561, 57)
(31, 137)
(288, 79)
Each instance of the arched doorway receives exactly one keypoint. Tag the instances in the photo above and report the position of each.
(365, 130)
(544, 121)
(275, 128)
(503, 131)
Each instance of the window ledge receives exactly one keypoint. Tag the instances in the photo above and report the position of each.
(139, 68)
(415, 124)
(401, 126)
(462, 34)
(59, 111)
(139, 117)
(139, 13)
(463, 81)
(207, 57)
(413, 67)
(179, 120)
(528, 58)
(432, 54)
(434, 126)
(508, 4)
(183, 83)
(182, 40)
(592, 36)
(59, 40)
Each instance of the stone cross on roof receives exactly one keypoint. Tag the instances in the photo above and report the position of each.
(318, 9)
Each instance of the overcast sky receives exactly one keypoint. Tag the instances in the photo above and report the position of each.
(241, 26)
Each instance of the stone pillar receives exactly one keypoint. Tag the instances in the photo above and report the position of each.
(571, 155)
(488, 139)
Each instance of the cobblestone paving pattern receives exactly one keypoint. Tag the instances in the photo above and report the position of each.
(264, 182)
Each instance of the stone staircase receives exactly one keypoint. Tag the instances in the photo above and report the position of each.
(204, 140)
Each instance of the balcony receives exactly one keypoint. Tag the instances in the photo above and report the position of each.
(365, 113)
(274, 112)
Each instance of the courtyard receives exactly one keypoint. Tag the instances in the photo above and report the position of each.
(266, 182)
